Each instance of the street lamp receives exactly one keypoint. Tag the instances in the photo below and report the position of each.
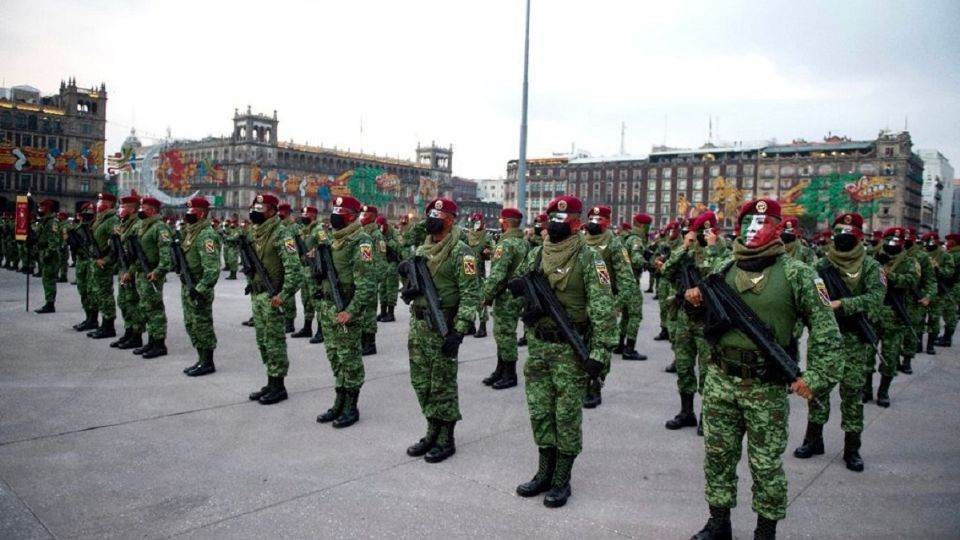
(522, 163)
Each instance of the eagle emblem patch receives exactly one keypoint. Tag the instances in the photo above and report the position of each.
(210, 246)
(469, 265)
(822, 291)
(602, 273)
(626, 256)
(366, 252)
(383, 246)
(164, 236)
(290, 245)
(497, 253)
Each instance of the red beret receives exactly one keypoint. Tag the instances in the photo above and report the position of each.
(443, 204)
(266, 198)
(215, 221)
(198, 202)
(626, 226)
(381, 220)
(911, 233)
(476, 216)
(48, 203)
(130, 199)
(850, 218)
(952, 237)
(369, 208)
(877, 235)
(672, 225)
(643, 219)
(931, 236)
(106, 196)
(895, 232)
(565, 203)
(283, 207)
(61, 216)
(706, 220)
(348, 203)
(87, 206)
(309, 210)
(767, 207)
(511, 213)
(150, 201)
(542, 218)
(602, 211)
(791, 223)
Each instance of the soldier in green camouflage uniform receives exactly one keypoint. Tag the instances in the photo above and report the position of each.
(433, 358)
(49, 240)
(952, 298)
(670, 241)
(556, 379)
(64, 248)
(792, 244)
(481, 243)
(739, 398)
(700, 249)
(127, 298)
(6, 237)
(368, 320)
(389, 286)
(903, 274)
(508, 255)
(201, 249)
(943, 268)
(290, 305)
(352, 251)
(623, 285)
(231, 255)
(104, 266)
(412, 236)
(275, 247)
(320, 236)
(154, 237)
(641, 259)
(535, 239)
(918, 302)
(307, 239)
(84, 269)
(631, 306)
(861, 274)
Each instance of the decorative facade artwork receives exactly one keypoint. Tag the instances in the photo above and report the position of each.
(725, 198)
(36, 159)
(371, 185)
(826, 196)
(123, 161)
(176, 174)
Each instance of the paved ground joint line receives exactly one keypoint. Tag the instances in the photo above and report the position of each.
(10, 490)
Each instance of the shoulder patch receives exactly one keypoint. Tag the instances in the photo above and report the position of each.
(883, 277)
(497, 253)
(55, 227)
(290, 245)
(366, 252)
(603, 275)
(210, 246)
(383, 247)
(322, 235)
(626, 256)
(116, 229)
(469, 265)
(165, 236)
(822, 291)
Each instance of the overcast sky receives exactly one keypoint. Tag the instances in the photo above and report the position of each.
(450, 71)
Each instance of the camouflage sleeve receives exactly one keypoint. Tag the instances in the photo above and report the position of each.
(928, 276)
(824, 361)
(469, 287)
(364, 276)
(503, 257)
(946, 268)
(209, 249)
(600, 305)
(671, 267)
(623, 270)
(528, 261)
(290, 258)
(905, 275)
(637, 257)
(164, 239)
(874, 291)
(309, 237)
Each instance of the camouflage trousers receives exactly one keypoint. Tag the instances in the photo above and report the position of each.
(688, 345)
(231, 258)
(893, 337)
(50, 271)
(482, 312)
(506, 315)
(64, 257)
(289, 309)
(940, 307)
(389, 286)
(368, 319)
(432, 374)
(668, 313)
(307, 290)
(343, 347)
(856, 354)
(555, 387)
(950, 310)
(128, 300)
(918, 316)
(631, 313)
(10, 252)
(271, 339)
(733, 407)
(84, 271)
(151, 307)
(102, 290)
(198, 319)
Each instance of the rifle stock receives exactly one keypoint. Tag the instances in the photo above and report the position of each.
(419, 282)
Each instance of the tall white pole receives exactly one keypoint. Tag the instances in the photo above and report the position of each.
(522, 163)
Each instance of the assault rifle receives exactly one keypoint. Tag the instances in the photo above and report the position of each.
(540, 301)
(838, 289)
(258, 271)
(419, 282)
(725, 310)
(324, 270)
(116, 246)
(689, 278)
(180, 261)
(899, 307)
(133, 244)
(90, 242)
(301, 250)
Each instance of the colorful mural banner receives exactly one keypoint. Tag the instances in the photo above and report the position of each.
(372, 186)
(824, 197)
(176, 174)
(37, 159)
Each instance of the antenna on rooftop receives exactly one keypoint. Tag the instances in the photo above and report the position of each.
(623, 133)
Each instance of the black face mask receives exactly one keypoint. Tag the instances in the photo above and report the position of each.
(558, 232)
(594, 229)
(337, 221)
(932, 247)
(305, 220)
(257, 217)
(434, 225)
(192, 218)
(908, 244)
(701, 239)
(142, 215)
(537, 231)
(893, 251)
(844, 242)
(788, 237)
(883, 258)
(874, 243)
(86, 217)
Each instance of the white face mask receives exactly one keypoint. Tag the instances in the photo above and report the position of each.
(477, 225)
(753, 228)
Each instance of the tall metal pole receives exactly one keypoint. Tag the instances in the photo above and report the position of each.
(522, 163)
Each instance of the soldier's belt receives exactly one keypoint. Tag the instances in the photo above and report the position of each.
(735, 362)
(423, 314)
(553, 335)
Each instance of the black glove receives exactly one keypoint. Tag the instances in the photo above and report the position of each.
(593, 368)
(451, 344)
(195, 295)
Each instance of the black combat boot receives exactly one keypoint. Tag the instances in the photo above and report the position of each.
(522, 342)
(383, 310)
(233, 275)
(350, 413)
(544, 477)
(248, 322)
(333, 412)
(289, 327)
(446, 445)
(481, 330)
(159, 349)
(868, 389)
(663, 335)
(883, 391)
(593, 397)
(276, 392)
(851, 451)
(700, 426)
(717, 527)
(686, 417)
(766, 529)
(318, 337)
(560, 486)
(106, 330)
(206, 366)
(144, 348)
(135, 340)
(306, 331)
(255, 395)
(369, 344)
(630, 351)
(495, 376)
(508, 377)
(619, 348)
(471, 330)
(195, 365)
(89, 323)
(671, 368)
(812, 442)
(127, 332)
(389, 315)
(46, 308)
(946, 340)
(930, 342)
(424, 445)
(906, 365)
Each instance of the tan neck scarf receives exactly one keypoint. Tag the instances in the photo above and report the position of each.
(559, 258)
(437, 252)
